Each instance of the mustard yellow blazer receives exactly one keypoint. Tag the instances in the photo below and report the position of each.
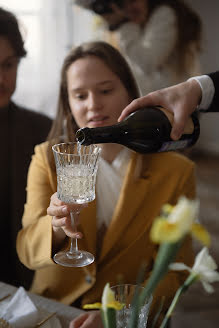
(163, 178)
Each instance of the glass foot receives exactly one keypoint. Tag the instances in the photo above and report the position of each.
(77, 259)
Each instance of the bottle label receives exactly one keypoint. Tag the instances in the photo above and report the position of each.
(174, 145)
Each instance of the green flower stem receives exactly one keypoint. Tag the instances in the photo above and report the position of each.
(191, 278)
(166, 254)
(109, 317)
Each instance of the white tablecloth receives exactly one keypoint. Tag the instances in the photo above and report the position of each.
(64, 313)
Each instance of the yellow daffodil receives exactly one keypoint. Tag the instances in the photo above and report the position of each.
(108, 301)
(176, 221)
(204, 269)
(108, 307)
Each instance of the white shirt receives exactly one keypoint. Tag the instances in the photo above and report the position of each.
(208, 90)
(108, 185)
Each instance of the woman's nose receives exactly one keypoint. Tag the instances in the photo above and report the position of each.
(94, 102)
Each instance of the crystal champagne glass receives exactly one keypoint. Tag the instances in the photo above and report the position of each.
(125, 294)
(76, 168)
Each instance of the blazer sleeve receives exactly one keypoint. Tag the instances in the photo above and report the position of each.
(34, 240)
(214, 107)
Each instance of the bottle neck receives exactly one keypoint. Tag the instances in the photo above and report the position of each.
(105, 134)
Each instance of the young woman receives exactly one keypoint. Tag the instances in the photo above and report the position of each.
(96, 85)
(161, 39)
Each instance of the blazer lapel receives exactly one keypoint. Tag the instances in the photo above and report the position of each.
(132, 195)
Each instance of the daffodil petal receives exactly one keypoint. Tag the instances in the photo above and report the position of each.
(179, 267)
(92, 306)
(166, 209)
(115, 305)
(209, 275)
(163, 231)
(201, 234)
(108, 296)
(209, 288)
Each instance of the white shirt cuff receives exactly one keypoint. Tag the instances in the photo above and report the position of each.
(208, 90)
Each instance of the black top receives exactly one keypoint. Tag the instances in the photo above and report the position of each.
(20, 131)
(214, 107)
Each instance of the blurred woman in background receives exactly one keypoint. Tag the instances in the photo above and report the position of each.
(161, 39)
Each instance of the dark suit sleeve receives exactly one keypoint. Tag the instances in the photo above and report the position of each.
(214, 107)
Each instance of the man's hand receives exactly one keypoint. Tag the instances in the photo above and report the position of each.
(181, 99)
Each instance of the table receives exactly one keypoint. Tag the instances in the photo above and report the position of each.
(64, 312)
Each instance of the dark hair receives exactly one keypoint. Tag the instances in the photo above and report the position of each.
(64, 123)
(9, 29)
(189, 26)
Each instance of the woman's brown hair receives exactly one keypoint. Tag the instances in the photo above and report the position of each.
(64, 125)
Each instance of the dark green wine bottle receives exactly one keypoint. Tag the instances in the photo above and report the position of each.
(145, 131)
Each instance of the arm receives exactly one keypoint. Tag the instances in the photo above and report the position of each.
(34, 240)
(44, 230)
(182, 100)
(150, 47)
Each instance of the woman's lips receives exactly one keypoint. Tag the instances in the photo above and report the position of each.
(97, 121)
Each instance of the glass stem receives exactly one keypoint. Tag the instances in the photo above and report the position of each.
(74, 241)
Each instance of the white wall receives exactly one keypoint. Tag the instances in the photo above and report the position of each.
(209, 13)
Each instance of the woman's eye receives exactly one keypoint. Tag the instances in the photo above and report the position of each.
(80, 96)
(106, 91)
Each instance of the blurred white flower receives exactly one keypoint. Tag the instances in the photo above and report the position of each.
(204, 269)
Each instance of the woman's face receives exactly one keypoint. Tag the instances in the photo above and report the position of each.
(8, 71)
(96, 95)
(136, 10)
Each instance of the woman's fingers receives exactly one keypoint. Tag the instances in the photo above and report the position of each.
(65, 223)
(91, 319)
(60, 211)
(61, 216)
(59, 222)
(76, 323)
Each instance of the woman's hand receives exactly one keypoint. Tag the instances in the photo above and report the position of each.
(91, 319)
(61, 220)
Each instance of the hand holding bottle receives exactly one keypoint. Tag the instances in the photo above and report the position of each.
(181, 99)
(146, 130)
